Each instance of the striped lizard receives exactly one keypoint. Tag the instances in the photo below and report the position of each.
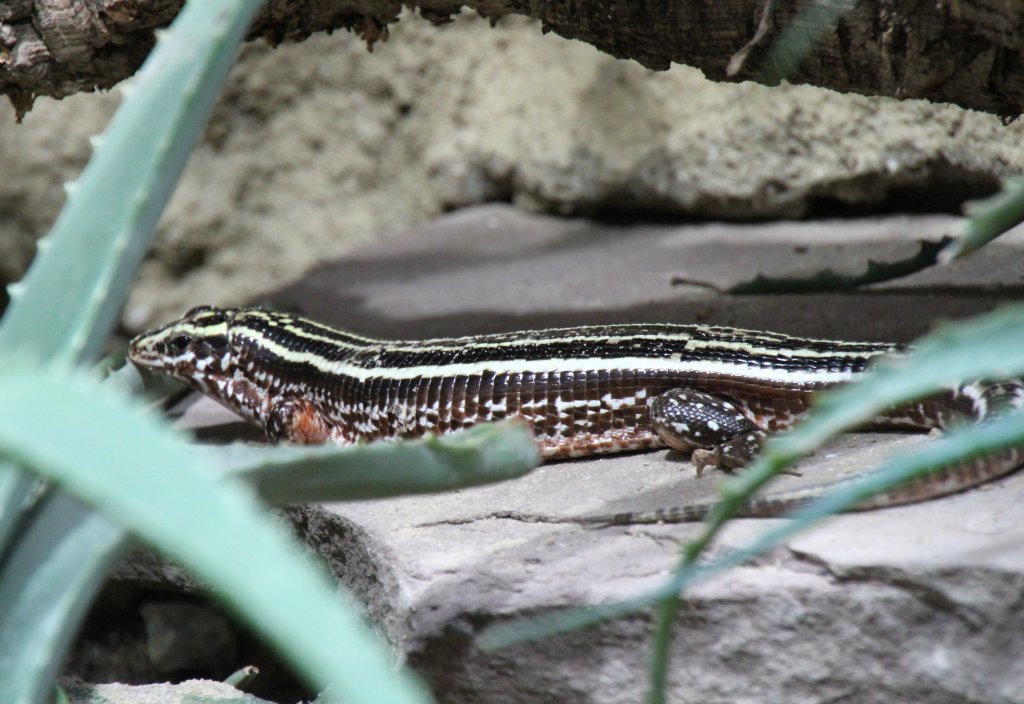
(711, 391)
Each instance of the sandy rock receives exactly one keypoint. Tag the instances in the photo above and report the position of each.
(318, 147)
(183, 693)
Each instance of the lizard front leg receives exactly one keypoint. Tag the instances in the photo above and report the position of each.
(712, 427)
(297, 421)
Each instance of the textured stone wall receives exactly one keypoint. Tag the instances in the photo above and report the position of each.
(319, 146)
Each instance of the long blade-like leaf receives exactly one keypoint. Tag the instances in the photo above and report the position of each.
(47, 581)
(988, 347)
(991, 346)
(118, 458)
(84, 267)
(963, 445)
(482, 455)
(64, 308)
(988, 219)
(15, 494)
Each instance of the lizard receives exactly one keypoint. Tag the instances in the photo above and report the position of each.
(713, 391)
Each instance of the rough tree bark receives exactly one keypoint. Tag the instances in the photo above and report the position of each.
(967, 52)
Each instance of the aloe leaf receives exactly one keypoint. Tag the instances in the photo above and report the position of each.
(15, 496)
(483, 455)
(962, 445)
(47, 580)
(126, 380)
(85, 264)
(118, 458)
(64, 308)
(987, 219)
(991, 346)
(987, 347)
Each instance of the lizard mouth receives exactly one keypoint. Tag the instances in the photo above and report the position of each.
(143, 355)
(151, 354)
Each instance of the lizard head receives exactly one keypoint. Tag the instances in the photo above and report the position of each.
(195, 349)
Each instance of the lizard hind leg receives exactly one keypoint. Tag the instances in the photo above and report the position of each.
(713, 428)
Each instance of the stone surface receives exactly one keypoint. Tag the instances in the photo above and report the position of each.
(136, 634)
(493, 268)
(912, 604)
(189, 692)
(318, 147)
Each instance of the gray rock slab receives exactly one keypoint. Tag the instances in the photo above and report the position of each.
(493, 268)
(912, 604)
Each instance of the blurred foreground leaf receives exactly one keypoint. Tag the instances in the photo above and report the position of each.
(482, 455)
(118, 458)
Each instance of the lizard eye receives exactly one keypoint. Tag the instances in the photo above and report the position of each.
(180, 343)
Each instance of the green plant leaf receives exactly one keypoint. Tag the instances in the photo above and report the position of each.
(987, 347)
(963, 445)
(16, 491)
(85, 264)
(64, 308)
(990, 347)
(118, 458)
(47, 580)
(483, 455)
(987, 219)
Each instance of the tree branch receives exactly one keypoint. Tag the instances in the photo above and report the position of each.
(968, 52)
